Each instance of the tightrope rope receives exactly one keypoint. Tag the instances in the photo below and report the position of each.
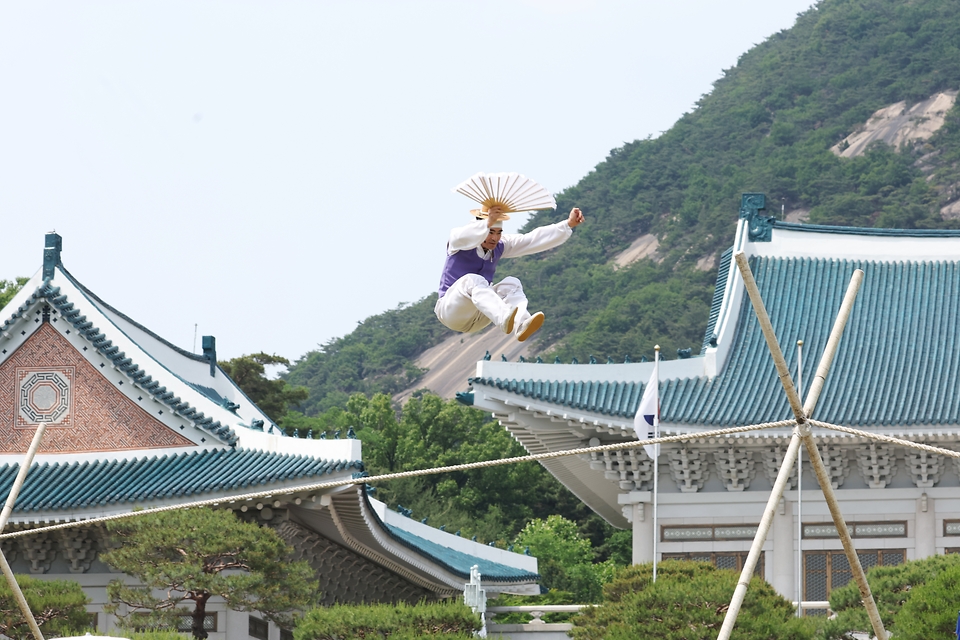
(889, 439)
(319, 486)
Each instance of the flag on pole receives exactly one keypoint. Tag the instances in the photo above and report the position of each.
(647, 421)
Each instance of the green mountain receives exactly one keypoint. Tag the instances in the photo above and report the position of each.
(768, 125)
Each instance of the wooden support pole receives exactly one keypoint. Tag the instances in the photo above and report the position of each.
(823, 477)
(829, 351)
(19, 597)
(5, 515)
(802, 431)
(770, 336)
(21, 475)
(750, 564)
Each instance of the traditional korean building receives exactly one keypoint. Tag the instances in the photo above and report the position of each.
(897, 372)
(136, 422)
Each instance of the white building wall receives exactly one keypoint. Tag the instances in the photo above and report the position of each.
(779, 568)
(925, 528)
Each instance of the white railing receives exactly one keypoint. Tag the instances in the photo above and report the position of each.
(536, 612)
(814, 604)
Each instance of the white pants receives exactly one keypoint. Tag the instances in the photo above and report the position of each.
(471, 303)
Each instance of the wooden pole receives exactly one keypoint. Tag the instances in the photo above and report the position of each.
(802, 431)
(730, 619)
(816, 385)
(5, 515)
(21, 475)
(823, 476)
(770, 336)
(750, 564)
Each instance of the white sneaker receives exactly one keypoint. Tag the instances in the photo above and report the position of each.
(530, 326)
(507, 324)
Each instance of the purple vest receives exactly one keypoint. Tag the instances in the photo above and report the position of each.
(467, 261)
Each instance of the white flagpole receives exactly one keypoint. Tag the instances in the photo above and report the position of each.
(799, 490)
(656, 457)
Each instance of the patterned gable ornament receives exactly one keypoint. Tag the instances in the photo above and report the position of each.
(45, 395)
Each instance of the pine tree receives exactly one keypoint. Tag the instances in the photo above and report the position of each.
(194, 555)
(57, 605)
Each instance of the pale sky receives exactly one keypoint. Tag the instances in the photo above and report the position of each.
(275, 172)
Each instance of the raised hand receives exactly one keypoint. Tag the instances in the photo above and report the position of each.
(494, 215)
(576, 217)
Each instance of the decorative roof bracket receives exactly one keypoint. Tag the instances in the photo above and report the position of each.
(210, 353)
(53, 243)
(758, 226)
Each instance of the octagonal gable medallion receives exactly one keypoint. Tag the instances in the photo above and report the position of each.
(45, 395)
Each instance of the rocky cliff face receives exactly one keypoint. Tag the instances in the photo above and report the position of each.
(451, 362)
(910, 128)
(898, 124)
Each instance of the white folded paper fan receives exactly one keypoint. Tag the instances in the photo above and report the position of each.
(512, 191)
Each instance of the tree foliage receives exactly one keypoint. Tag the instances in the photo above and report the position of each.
(892, 588)
(451, 619)
(195, 554)
(57, 605)
(565, 558)
(687, 602)
(274, 397)
(493, 504)
(929, 611)
(9, 288)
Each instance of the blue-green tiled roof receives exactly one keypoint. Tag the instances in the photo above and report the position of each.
(898, 363)
(606, 398)
(78, 485)
(866, 231)
(458, 562)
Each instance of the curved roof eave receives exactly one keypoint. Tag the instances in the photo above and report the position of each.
(59, 491)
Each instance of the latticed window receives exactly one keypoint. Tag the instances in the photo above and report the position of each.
(185, 623)
(721, 560)
(825, 571)
(258, 628)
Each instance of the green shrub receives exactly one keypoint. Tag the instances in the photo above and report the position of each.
(451, 619)
(891, 588)
(58, 606)
(688, 602)
(930, 611)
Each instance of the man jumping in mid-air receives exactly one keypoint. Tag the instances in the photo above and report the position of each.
(469, 300)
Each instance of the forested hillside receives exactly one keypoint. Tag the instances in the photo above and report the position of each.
(767, 125)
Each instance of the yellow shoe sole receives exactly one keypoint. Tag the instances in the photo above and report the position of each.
(533, 325)
(508, 328)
